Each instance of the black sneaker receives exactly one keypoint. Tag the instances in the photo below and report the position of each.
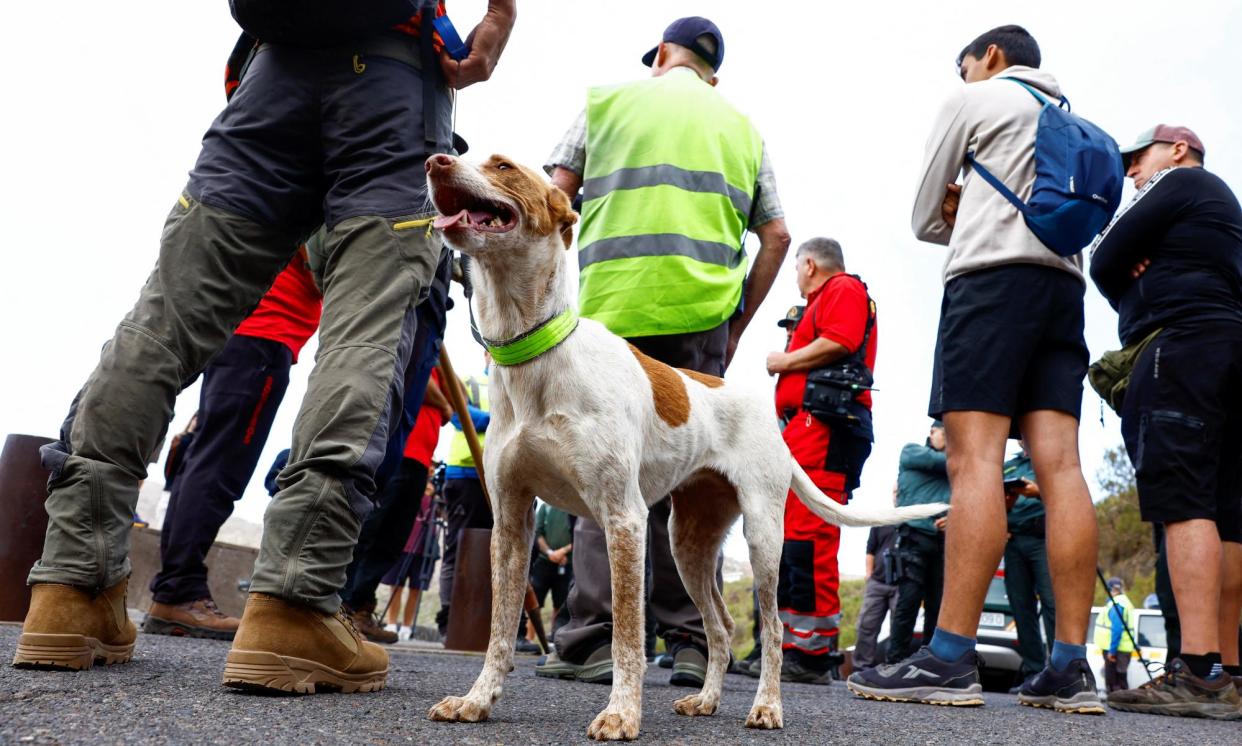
(525, 647)
(1071, 690)
(923, 678)
(795, 672)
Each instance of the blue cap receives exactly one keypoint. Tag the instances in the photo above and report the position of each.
(685, 32)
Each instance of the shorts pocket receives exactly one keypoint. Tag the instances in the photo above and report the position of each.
(1167, 437)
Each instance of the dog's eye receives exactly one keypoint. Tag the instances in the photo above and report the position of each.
(502, 166)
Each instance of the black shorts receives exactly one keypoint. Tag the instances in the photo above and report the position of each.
(1182, 424)
(1010, 342)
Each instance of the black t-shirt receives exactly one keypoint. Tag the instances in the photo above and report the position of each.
(1189, 224)
(880, 538)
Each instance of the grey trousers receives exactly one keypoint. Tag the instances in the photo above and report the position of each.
(590, 597)
(213, 268)
(879, 600)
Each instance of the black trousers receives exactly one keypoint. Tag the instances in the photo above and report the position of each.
(921, 583)
(384, 533)
(242, 389)
(545, 578)
(1029, 585)
(467, 508)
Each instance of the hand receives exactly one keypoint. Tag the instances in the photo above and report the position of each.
(1140, 268)
(1028, 489)
(486, 42)
(446, 410)
(1112, 657)
(948, 207)
(776, 363)
(562, 558)
(942, 523)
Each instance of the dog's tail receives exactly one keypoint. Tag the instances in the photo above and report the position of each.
(855, 515)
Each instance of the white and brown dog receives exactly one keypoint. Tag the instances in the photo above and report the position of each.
(598, 429)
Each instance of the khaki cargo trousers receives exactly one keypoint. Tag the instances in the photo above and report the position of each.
(213, 268)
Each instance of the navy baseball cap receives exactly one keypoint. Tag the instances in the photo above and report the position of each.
(686, 32)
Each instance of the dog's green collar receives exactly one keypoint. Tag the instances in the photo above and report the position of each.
(532, 344)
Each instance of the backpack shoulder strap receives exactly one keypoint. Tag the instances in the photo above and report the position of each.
(996, 183)
(1031, 90)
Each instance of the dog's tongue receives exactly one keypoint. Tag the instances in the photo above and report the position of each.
(468, 216)
(446, 221)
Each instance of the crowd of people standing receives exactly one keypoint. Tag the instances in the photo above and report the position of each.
(324, 214)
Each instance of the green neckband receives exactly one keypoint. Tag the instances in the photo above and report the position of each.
(535, 342)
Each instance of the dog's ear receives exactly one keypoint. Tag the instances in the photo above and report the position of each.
(562, 212)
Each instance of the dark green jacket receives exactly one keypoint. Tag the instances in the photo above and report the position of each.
(554, 526)
(923, 478)
(1027, 513)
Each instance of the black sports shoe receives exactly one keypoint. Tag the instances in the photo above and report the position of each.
(1071, 690)
(922, 678)
(794, 671)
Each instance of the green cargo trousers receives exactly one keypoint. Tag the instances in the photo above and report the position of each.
(213, 268)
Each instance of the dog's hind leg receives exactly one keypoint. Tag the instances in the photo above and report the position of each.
(763, 523)
(702, 514)
(512, 536)
(625, 530)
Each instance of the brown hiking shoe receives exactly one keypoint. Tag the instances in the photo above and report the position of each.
(285, 647)
(201, 618)
(70, 629)
(369, 626)
(1179, 692)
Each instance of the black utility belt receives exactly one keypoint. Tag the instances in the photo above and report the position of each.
(831, 393)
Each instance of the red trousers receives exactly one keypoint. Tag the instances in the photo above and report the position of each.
(807, 596)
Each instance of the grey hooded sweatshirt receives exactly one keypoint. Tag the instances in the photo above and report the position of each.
(996, 120)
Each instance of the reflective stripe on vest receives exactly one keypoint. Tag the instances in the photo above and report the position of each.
(459, 448)
(1104, 625)
(667, 191)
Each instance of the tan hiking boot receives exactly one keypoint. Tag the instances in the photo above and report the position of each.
(285, 647)
(69, 629)
(201, 618)
(369, 626)
(1179, 692)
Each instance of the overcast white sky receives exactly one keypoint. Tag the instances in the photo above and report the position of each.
(105, 104)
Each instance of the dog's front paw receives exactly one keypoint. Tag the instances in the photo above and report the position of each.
(765, 717)
(695, 704)
(458, 710)
(612, 725)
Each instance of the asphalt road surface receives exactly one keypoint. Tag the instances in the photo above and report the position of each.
(171, 693)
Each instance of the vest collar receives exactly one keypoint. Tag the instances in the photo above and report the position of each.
(532, 343)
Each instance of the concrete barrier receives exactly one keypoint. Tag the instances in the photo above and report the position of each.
(227, 566)
(23, 488)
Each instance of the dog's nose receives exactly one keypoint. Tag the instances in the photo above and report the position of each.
(439, 160)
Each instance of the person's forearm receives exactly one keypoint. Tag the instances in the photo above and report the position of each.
(870, 564)
(923, 458)
(945, 149)
(817, 354)
(773, 245)
(542, 543)
(567, 181)
(435, 398)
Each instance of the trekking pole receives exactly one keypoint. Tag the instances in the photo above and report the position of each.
(1138, 650)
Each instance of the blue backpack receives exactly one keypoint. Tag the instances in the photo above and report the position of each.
(1078, 177)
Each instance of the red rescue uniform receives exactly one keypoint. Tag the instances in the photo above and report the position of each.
(808, 601)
